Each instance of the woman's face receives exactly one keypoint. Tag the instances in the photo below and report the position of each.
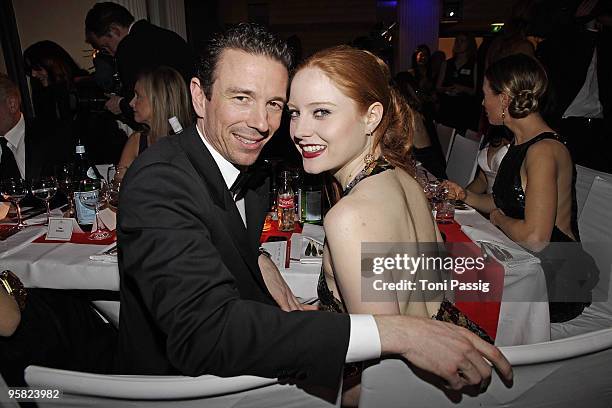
(422, 57)
(493, 104)
(461, 44)
(140, 104)
(326, 125)
(41, 75)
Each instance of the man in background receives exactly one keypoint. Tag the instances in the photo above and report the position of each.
(136, 46)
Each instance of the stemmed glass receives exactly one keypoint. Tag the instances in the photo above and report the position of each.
(92, 192)
(44, 189)
(14, 189)
(113, 194)
(64, 174)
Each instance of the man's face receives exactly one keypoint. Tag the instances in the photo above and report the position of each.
(9, 113)
(107, 42)
(245, 106)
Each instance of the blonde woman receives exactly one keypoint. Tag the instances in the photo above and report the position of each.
(158, 95)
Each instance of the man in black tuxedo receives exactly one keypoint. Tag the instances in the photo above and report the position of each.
(137, 47)
(28, 149)
(196, 295)
(577, 54)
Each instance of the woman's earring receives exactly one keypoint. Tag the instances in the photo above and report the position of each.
(368, 159)
(503, 116)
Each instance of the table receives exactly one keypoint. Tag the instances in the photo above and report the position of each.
(67, 266)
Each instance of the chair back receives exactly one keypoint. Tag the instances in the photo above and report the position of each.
(446, 135)
(562, 373)
(584, 180)
(595, 225)
(462, 161)
(88, 390)
(5, 401)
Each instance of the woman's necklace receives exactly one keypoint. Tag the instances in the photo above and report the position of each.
(377, 166)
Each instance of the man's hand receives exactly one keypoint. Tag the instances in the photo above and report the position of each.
(278, 288)
(449, 351)
(112, 104)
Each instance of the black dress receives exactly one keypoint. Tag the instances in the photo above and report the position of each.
(570, 272)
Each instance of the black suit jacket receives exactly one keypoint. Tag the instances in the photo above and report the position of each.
(193, 300)
(567, 54)
(148, 47)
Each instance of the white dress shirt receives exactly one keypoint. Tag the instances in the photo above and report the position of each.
(16, 142)
(364, 340)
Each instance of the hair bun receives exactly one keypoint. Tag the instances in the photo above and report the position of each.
(524, 103)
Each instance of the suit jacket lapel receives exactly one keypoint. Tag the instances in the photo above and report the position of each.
(205, 165)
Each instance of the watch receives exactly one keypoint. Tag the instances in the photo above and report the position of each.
(13, 286)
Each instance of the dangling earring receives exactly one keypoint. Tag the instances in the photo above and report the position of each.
(503, 117)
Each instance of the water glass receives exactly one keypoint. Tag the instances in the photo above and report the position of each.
(44, 189)
(67, 184)
(14, 189)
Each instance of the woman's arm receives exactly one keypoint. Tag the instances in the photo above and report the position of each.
(481, 202)
(347, 226)
(479, 184)
(533, 232)
(128, 154)
(10, 316)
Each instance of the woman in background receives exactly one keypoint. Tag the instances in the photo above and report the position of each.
(532, 199)
(55, 75)
(457, 86)
(158, 95)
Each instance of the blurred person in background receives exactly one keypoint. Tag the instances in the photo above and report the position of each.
(69, 101)
(457, 86)
(137, 46)
(54, 80)
(158, 95)
(532, 198)
(577, 53)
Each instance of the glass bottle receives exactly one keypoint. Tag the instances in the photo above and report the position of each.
(285, 203)
(83, 169)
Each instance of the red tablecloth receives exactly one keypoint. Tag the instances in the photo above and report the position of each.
(78, 238)
(274, 232)
(482, 308)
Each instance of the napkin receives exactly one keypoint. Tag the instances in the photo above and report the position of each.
(306, 249)
(520, 257)
(20, 240)
(108, 254)
(108, 218)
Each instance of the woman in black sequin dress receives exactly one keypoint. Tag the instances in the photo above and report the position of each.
(532, 200)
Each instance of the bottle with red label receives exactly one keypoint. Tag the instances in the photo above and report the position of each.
(285, 204)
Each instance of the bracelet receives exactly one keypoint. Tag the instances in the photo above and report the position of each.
(13, 286)
(263, 252)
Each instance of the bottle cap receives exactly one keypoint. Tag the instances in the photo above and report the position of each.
(176, 125)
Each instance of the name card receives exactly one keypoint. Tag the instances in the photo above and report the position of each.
(61, 229)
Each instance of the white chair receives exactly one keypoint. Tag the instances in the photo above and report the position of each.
(462, 161)
(595, 226)
(446, 135)
(473, 135)
(94, 390)
(584, 180)
(5, 401)
(564, 373)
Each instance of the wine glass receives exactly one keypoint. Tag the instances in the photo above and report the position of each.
(14, 189)
(113, 194)
(64, 174)
(92, 192)
(44, 188)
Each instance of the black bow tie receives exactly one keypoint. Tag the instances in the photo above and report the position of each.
(239, 188)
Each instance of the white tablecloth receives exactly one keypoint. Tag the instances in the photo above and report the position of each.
(67, 266)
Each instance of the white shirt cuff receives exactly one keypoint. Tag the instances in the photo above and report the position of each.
(364, 340)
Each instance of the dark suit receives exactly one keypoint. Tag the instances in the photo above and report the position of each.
(148, 47)
(193, 300)
(567, 55)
